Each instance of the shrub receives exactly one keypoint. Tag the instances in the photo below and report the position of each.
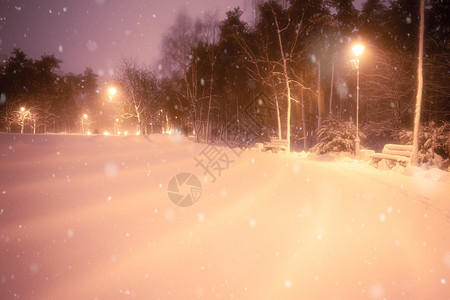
(336, 135)
(434, 143)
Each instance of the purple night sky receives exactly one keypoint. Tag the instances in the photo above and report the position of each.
(96, 33)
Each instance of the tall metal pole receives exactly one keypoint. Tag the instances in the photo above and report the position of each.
(357, 140)
(23, 122)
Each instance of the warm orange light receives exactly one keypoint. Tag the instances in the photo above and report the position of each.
(112, 91)
(358, 49)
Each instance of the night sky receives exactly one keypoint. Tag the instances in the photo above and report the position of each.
(96, 33)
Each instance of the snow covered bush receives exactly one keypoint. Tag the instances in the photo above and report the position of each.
(336, 135)
(434, 144)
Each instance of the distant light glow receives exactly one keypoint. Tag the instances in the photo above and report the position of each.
(85, 116)
(112, 91)
(22, 108)
(358, 49)
(89, 133)
(138, 132)
(106, 133)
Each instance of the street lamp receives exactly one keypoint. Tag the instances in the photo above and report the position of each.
(358, 50)
(85, 116)
(116, 126)
(112, 91)
(23, 113)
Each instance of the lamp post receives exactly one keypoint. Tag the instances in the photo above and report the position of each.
(357, 49)
(112, 91)
(85, 116)
(116, 126)
(23, 113)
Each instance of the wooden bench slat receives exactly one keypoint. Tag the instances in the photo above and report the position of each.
(398, 152)
(401, 154)
(389, 156)
(276, 144)
(398, 147)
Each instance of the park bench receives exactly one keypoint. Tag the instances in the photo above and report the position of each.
(394, 155)
(276, 145)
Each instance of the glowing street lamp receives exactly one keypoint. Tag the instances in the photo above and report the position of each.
(357, 50)
(111, 91)
(85, 116)
(23, 114)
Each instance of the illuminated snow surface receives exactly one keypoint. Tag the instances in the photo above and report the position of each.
(88, 217)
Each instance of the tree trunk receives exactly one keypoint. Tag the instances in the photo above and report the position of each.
(330, 111)
(278, 113)
(319, 97)
(287, 82)
(210, 98)
(305, 137)
(415, 154)
(138, 116)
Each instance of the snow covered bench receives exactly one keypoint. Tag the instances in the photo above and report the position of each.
(275, 145)
(394, 155)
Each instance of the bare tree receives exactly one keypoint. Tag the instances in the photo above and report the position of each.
(9, 115)
(287, 79)
(415, 155)
(133, 81)
(180, 61)
(388, 88)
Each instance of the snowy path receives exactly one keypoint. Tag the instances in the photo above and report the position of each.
(89, 218)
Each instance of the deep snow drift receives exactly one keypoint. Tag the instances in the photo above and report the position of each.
(89, 217)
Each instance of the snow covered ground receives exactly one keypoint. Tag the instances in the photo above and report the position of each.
(89, 217)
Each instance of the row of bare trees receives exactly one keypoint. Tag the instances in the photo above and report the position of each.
(295, 58)
(280, 77)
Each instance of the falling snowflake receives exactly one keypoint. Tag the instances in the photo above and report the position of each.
(91, 46)
(70, 233)
(376, 291)
(34, 268)
(201, 217)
